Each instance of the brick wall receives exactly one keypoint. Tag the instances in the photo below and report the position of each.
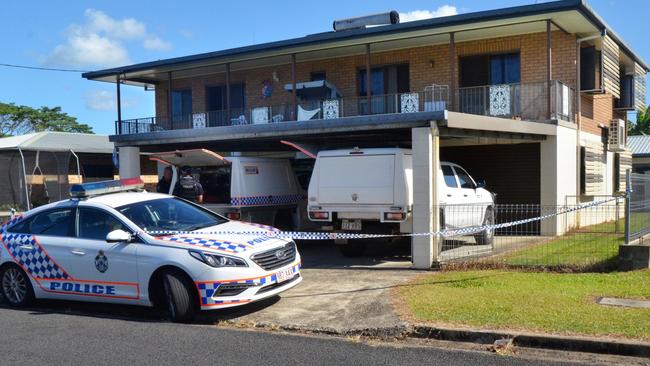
(343, 71)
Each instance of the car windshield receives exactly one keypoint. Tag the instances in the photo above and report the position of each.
(169, 214)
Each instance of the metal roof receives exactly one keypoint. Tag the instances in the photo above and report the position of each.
(58, 141)
(427, 24)
(640, 145)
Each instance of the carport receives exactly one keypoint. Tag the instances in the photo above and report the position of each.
(38, 167)
(430, 135)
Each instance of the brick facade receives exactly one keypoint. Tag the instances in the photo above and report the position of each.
(427, 65)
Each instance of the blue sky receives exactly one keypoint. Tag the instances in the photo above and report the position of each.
(93, 35)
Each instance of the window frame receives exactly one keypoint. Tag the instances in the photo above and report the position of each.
(32, 217)
(456, 169)
(77, 222)
(181, 114)
(453, 175)
(485, 60)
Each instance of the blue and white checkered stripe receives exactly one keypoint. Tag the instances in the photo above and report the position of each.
(31, 256)
(222, 245)
(285, 199)
(208, 289)
(315, 235)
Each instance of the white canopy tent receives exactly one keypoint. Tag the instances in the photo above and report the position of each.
(42, 154)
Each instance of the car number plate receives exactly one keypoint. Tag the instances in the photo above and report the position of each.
(351, 225)
(284, 275)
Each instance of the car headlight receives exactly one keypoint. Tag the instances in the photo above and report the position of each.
(218, 260)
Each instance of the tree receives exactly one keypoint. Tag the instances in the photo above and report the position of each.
(20, 119)
(642, 124)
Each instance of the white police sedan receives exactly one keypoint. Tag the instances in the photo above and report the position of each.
(113, 242)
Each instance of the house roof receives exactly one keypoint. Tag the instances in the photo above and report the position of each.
(58, 141)
(561, 12)
(640, 145)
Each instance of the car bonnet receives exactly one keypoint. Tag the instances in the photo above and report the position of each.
(233, 237)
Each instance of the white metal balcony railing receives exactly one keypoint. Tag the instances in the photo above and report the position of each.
(516, 101)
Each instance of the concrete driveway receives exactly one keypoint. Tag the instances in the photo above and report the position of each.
(338, 294)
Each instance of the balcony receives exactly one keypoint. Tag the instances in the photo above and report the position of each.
(512, 101)
(528, 102)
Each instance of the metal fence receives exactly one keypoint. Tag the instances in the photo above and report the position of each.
(569, 236)
(639, 206)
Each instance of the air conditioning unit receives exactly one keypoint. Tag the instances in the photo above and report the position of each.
(616, 140)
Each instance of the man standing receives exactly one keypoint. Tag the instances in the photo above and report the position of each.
(165, 183)
(187, 187)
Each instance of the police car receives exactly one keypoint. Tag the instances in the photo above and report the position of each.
(113, 242)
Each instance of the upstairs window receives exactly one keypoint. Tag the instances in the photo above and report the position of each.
(216, 97)
(481, 70)
(389, 79)
(181, 104)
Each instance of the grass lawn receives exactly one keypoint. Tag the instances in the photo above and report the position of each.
(558, 303)
(587, 246)
(573, 249)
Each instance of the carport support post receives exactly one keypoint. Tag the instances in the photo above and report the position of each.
(426, 159)
(129, 158)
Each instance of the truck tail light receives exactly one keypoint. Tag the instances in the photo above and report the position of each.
(394, 216)
(319, 215)
(233, 215)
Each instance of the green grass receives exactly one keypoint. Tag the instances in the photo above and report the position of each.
(549, 302)
(583, 249)
(597, 244)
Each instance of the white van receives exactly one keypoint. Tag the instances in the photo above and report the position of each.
(253, 189)
(371, 190)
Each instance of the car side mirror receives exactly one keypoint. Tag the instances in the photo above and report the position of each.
(118, 236)
(480, 184)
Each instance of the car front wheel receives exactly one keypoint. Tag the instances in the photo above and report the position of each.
(16, 288)
(179, 297)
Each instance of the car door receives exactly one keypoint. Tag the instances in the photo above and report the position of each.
(106, 270)
(38, 244)
(470, 214)
(451, 196)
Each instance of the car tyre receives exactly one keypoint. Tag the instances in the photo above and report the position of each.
(486, 237)
(16, 287)
(179, 297)
(353, 249)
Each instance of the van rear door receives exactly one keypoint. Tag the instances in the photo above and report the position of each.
(356, 179)
(193, 157)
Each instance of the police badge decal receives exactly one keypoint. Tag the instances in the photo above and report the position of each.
(101, 262)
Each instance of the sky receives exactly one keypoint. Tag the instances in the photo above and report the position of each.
(92, 35)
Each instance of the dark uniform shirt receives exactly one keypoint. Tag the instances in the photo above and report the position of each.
(163, 186)
(187, 187)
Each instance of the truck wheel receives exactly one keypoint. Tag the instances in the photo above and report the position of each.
(179, 296)
(16, 287)
(353, 249)
(486, 237)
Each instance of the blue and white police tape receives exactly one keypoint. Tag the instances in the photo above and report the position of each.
(318, 235)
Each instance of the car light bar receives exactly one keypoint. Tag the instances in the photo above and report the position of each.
(106, 186)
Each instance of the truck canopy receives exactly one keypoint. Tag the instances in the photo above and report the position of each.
(340, 180)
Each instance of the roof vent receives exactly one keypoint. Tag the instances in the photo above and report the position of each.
(391, 17)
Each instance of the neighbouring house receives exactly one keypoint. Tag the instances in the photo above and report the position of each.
(37, 168)
(532, 98)
(640, 148)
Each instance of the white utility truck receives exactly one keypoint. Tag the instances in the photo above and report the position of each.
(254, 189)
(371, 190)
